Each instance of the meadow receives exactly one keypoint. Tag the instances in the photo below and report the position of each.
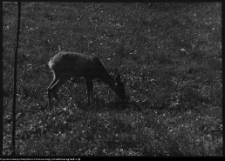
(169, 56)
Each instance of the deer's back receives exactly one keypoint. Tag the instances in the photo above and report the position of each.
(76, 64)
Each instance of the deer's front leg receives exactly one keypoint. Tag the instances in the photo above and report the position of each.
(89, 85)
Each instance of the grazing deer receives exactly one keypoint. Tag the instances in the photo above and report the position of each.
(66, 65)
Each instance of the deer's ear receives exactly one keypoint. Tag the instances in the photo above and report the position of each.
(115, 72)
(124, 81)
(118, 78)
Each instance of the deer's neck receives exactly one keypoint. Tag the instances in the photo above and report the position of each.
(109, 80)
(106, 77)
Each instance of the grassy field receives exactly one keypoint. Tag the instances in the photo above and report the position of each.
(169, 56)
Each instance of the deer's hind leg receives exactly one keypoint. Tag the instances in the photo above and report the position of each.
(55, 79)
(54, 86)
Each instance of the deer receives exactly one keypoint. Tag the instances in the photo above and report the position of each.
(67, 65)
